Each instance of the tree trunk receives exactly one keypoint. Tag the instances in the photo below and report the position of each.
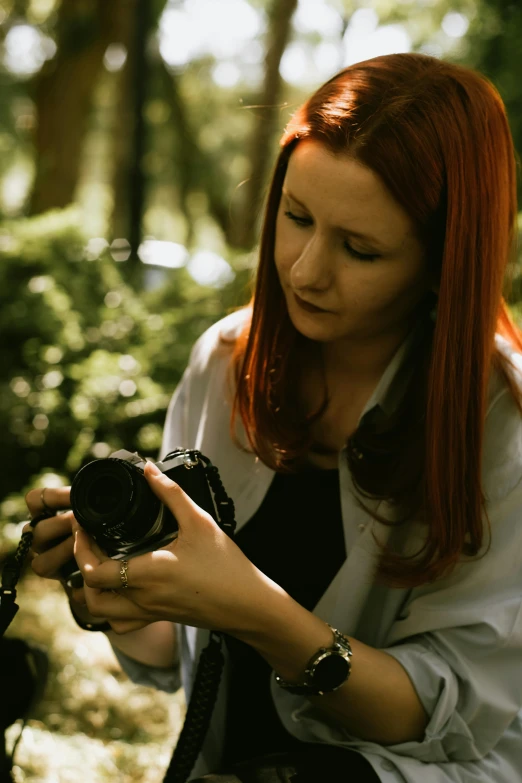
(122, 121)
(62, 92)
(129, 129)
(195, 169)
(243, 231)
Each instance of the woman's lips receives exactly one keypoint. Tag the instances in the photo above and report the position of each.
(308, 307)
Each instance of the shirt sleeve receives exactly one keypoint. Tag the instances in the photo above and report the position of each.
(460, 642)
(162, 679)
(175, 430)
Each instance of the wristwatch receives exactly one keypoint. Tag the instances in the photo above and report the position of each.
(326, 670)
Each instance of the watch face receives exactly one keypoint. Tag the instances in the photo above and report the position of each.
(331, 672)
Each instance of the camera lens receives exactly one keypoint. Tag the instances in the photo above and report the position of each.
(112, 501)
(105, 493)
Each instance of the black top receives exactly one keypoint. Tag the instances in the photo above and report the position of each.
(295, 538)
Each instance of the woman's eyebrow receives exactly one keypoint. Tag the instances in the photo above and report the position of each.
(343, 229)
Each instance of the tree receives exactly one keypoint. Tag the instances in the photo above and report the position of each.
(279, 30)
(493, 48)
(62, 92)
(129, 147)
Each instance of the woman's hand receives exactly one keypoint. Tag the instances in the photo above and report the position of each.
(53, 542)
(201, 578)
(53, 546)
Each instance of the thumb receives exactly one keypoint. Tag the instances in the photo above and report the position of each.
(184, 509)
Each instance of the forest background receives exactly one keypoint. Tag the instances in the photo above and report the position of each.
(136, 138)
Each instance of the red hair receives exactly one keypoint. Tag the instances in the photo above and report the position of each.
(438, 137)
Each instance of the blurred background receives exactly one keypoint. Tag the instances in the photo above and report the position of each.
(136, 140)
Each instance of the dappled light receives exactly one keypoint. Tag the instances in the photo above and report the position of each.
(135, 151)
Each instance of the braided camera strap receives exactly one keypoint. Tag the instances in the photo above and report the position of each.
(210, 664)
(199, 712)
(11, 574)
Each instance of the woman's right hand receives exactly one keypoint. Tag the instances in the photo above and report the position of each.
(53, 542)
(53, 546)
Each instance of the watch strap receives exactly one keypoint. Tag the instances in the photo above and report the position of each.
(340, 646)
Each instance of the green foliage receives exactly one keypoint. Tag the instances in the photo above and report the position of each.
(88, 364)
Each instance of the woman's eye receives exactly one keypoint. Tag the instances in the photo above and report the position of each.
(360, 256)
(301, 221)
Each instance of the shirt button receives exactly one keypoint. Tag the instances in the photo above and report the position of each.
(295, 716)
(387, 765)
(361, 527)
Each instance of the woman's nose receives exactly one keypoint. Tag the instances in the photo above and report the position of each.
(311, 271)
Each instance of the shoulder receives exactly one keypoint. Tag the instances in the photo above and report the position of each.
(502, 445)
(217, 342)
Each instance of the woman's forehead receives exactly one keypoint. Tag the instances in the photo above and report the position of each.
(349, 194)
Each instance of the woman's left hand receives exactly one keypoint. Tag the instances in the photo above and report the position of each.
(201, 578)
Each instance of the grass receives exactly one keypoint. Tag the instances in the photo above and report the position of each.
(91, 724)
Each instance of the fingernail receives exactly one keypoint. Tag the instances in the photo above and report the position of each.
(153, 469)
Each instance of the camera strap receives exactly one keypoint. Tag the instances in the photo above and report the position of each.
(210, 664)
(11, 574)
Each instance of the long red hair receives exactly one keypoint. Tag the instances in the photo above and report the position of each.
(438, 136)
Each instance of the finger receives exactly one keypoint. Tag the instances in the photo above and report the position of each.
(171, 494)
(78, 595)
(126, 626)
(93, 546)
(55, 498)
(102, 575)
(49, 532)
(115, 606)
(48, 563)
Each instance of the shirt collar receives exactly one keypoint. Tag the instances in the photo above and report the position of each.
(393, 382)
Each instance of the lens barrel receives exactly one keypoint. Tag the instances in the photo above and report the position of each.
(112, 501)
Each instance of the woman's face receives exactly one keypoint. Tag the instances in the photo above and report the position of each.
(345, 245)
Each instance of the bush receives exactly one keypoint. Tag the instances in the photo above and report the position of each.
(88, 364)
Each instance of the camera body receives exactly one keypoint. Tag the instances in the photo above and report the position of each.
(113, 502)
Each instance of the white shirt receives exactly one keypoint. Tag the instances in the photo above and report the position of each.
(459, 638)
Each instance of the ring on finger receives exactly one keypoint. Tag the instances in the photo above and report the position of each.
(46, 508)
(123, 573)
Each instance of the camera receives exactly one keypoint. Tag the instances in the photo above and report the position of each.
(113, 502)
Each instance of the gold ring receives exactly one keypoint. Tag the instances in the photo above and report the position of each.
(123, 573)
(46, 508)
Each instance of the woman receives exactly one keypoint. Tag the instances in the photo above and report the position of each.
(375, 461)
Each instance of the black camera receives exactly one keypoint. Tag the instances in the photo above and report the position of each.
(113, 502)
